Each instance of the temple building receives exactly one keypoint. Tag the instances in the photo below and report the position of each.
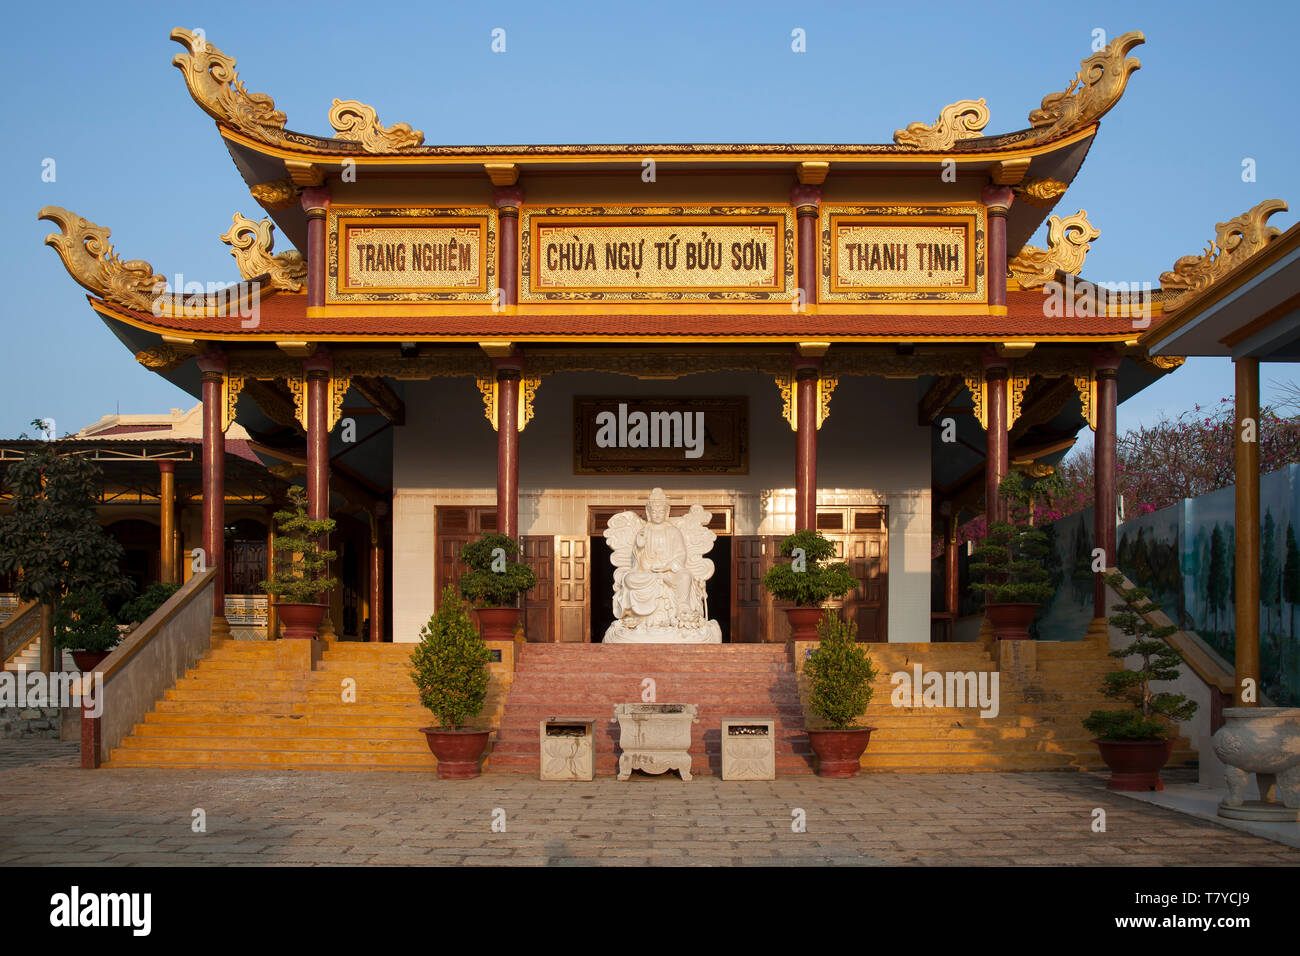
(451, 340)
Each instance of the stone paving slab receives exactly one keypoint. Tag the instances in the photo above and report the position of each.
(54, 813)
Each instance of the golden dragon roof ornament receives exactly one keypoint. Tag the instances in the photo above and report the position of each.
(961, 120)
(1068, 241)
(251, 243)
(215, 86)
(1234, 242)
(357, 122)
(1096, 88)
(90, 260)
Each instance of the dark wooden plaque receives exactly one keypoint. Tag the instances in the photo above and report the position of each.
(660, 436)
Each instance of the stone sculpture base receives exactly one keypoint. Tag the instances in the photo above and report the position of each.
(655, 738)
(619, 633)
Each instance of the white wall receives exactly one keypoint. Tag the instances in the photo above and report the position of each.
(870, 451)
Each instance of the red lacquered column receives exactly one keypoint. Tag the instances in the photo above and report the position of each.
(1105, 365)
(805, 462)
(213, 366)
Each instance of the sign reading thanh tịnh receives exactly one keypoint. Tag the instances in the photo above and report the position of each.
(402, 255)
(648, 253)
(918, 253)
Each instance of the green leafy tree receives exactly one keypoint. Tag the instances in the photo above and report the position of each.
(1216, 584)
(300, 574)
(83, 623)
(1012, 561)
(51, 543)
(494, 578)
(138, 609)
(1150, 716)
(1291, 574)
(810, 576)
(839, 674)
(449, 665)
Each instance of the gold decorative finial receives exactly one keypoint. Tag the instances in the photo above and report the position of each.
(1234, 242)
(277, 194)
(359, 123)
(1039, 192)
(961, 120)
(90, 260)
(215, 86)
(1096, 88)
(251, 242)
(1068, 242)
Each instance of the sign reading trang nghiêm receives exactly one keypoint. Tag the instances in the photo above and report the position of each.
(919, 253)
(657, 253)
(404, 255)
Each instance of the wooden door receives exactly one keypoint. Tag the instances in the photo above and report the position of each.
(750, 560)
(572, 589)
(866, 549)
(538, 604)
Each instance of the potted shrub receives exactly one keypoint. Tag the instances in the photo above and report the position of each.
(299, 575)
(450, 670)
(807, 580)
(1012, 565)
(839, 676)
(1135, 742)
(84, 626)
(494, 582)
(134, 612)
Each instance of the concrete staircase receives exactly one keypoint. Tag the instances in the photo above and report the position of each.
(236, 709)
(580, 680)
(29, 659)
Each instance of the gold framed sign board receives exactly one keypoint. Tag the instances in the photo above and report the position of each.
(903, 253)
(657, 253)
(411, 254)
(660, 435)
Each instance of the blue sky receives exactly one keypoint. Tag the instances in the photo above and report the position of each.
(92, 88)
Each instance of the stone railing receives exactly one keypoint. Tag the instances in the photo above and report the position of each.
(19, 629)
(145, 665)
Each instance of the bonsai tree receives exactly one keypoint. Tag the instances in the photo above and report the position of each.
(301, 566)
(1012, 561)
(839, 673)
(83, 623)
(1149, 716)
(494, 578)
(449, 665)
(155, 596)
(806, 579)
(51, 542)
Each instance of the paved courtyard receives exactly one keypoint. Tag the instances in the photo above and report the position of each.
(52, 812)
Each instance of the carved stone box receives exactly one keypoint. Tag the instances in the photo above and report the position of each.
(568, 748)
(655, 738)
(748, 748)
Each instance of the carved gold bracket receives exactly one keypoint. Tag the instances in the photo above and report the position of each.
(277, 194)
(1038, 191)
(1086, 385)
(1017, 385)
(826, 385)
(336, 388)
(1234, 242)
(251, 243)
(487, 386)
(1068, 241)
(231, 386)
(961, 120)
(357, 122)
(979, 393)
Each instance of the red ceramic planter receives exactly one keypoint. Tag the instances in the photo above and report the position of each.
(458, 751)
(839, 751)
(497, 623)
(301, 621)
(803, 622)
(1135, 764)
(87, 661)
(1010, 622)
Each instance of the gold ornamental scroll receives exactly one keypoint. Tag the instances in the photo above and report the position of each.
(682, 253)
(903, 253)
(410, 254)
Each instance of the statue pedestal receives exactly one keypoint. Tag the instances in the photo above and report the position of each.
(619, 633)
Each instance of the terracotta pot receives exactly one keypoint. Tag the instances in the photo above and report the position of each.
(301, 621)
(1135, 764)
(497, 623)
(87, 661)
(839, 751)
(458, 751)
(1010, 622)
(803, 622)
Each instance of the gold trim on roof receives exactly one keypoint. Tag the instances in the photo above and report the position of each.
(278, 194)
(964, 119)
(357, 122)
(213, 82)
(1039, 192)
(251, 242)
(162, 358)
(90, 260)
(1096, 88)
(1234, 242)
(1068, 241)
